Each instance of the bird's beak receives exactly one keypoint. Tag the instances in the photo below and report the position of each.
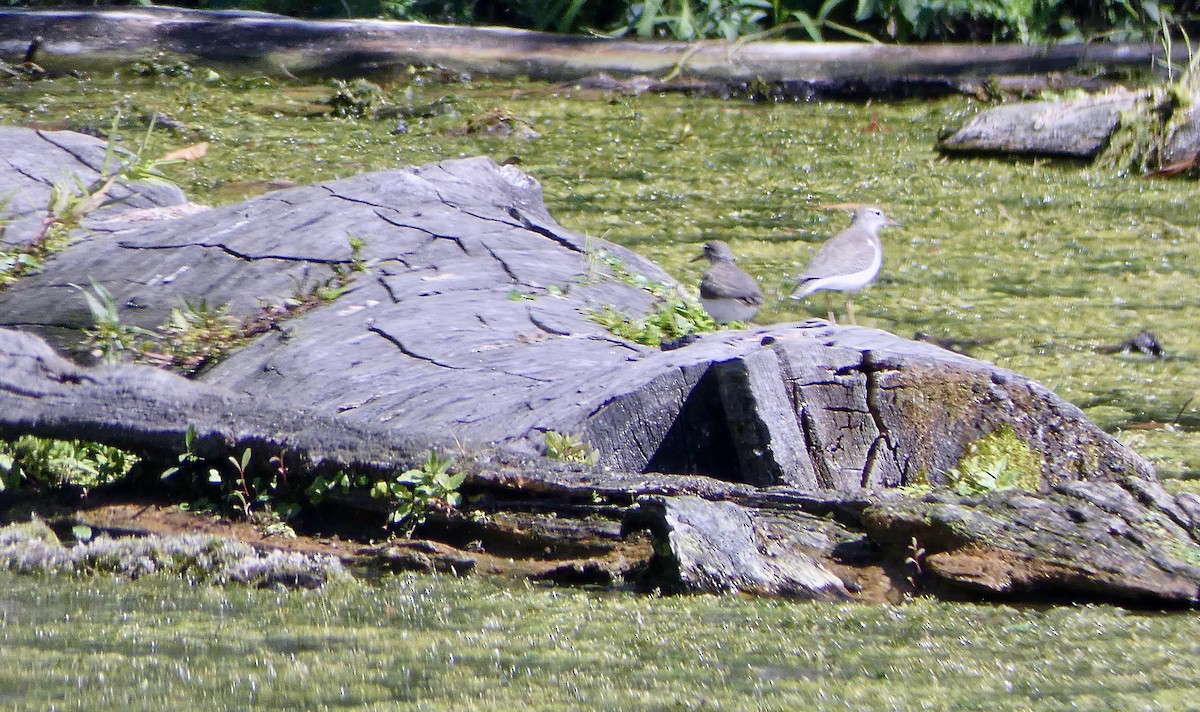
(893, 223)
(697, 258)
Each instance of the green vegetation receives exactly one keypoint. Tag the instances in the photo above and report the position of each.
(1140, 144)
(44, 463)
(413, 494)
(675, 314)
(569, 447)
(262, 493)
(198, 335)
(997, 461)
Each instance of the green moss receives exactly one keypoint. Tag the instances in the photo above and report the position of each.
(996, 461)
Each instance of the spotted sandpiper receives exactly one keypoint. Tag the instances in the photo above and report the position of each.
(727, 293)
(847, 262)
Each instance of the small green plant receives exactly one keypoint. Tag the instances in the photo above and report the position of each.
(259, 493)
(52, 463)
(188, 459)
(357, 245)
(321, 486)
(997, 461)
(193, 336)
(914, 564)
(676, 314)
(418, 491)
(568, 447)
(108, 338)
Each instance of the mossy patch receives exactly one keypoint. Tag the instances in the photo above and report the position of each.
(996, 461)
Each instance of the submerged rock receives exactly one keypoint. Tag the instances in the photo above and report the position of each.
(33, 548)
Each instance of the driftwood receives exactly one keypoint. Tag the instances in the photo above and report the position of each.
(462, 318)
(258, 42)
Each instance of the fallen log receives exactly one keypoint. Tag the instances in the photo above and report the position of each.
(275, 45)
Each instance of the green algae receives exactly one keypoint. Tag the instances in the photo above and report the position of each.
(439, 643)
(1033, 264)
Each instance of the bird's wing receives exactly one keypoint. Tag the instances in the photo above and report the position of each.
(832, 258)
(731, 284)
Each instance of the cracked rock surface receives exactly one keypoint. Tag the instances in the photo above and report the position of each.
(32, 163)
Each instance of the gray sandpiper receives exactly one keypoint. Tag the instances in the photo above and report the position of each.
(727, 293)
(849, 261)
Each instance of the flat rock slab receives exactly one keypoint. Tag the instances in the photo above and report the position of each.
(148, 410)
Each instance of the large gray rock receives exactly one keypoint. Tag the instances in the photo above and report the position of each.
(34, 163)
(465, 316)
(465, 319)
(1078, 128)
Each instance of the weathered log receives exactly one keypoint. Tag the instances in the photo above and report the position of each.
(1139, 540)
(258, 42)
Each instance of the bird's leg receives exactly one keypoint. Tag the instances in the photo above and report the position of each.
(829, 308)
(850, 310)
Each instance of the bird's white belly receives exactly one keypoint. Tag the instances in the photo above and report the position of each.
(850, 281)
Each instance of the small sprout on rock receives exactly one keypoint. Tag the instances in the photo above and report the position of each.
(676, 314)
(568, 447)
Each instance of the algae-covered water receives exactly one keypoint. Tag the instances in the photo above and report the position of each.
(1032, 264)
(438, 643)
